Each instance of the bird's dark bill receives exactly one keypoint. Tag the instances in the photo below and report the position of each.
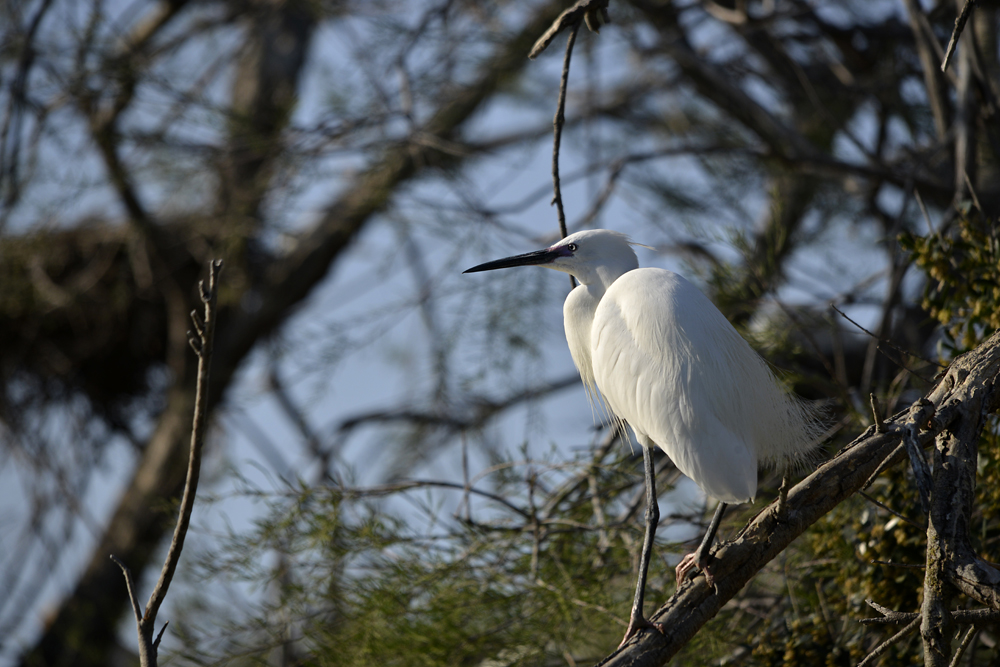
(527, 259)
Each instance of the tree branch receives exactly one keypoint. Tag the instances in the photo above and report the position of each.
(201, 341)
(957, 32)
(910, 628)
(975, 617)
(583, 10)
(967, 391)
(934, 83)
(557, 127)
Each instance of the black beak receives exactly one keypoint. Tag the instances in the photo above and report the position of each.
(527, 259)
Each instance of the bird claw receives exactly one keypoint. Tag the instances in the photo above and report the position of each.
(691, 561)
(638, 622)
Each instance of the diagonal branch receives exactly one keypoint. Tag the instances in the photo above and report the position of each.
(963, 17)
(974, 374)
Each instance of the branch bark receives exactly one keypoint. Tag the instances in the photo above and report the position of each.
(952, 565)
(958, 402)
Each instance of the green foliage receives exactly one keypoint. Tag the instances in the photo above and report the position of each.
(963, 290)
(342, 580)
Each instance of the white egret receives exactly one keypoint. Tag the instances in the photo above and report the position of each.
(667, 362)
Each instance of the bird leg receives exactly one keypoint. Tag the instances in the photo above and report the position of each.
(637, 621)
(700, 557)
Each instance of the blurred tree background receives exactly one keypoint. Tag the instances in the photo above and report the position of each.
(413, 468)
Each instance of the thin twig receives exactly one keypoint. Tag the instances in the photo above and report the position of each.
(877, 414)
(886, 464)
(966, 640)
(893, 346)
(884, 646)
(888, 509)
(466, 488)
(201, 339)
(783, 494)
(557, 127)
(972, 191)
(913, 566)
(593, 12)
(130, 585)
(159, 635)
(918, 462)
(923, 209)
(198, 430)
(976, 617)
(957, 32)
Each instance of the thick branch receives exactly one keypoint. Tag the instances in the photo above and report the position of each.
(973, 374)
(952, 564)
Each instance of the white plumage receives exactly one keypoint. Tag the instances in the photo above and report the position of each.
(667, 362)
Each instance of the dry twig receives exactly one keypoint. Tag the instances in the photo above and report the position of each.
(201, 339)
(963, 17)
(592, 12)
(557, 127)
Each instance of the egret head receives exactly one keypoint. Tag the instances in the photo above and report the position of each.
(594, 256)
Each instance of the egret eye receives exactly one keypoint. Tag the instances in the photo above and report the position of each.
(572, 247)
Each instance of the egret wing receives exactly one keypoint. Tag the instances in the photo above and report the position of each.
(669, 363)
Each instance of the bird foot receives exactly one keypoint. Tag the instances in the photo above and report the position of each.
(638, 622)
(691, 561)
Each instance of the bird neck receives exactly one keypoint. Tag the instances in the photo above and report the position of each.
(600, 278)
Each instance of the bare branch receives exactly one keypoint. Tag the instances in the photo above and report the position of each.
(921, 471)
(966, 640)
(557, 126)
(893, 512)
(590, 11)
(131, 588)
(198, 430)
(202, 344)
(974, 617)
(877, 414)
(884, 646)
(963, 17)
(159, 636)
